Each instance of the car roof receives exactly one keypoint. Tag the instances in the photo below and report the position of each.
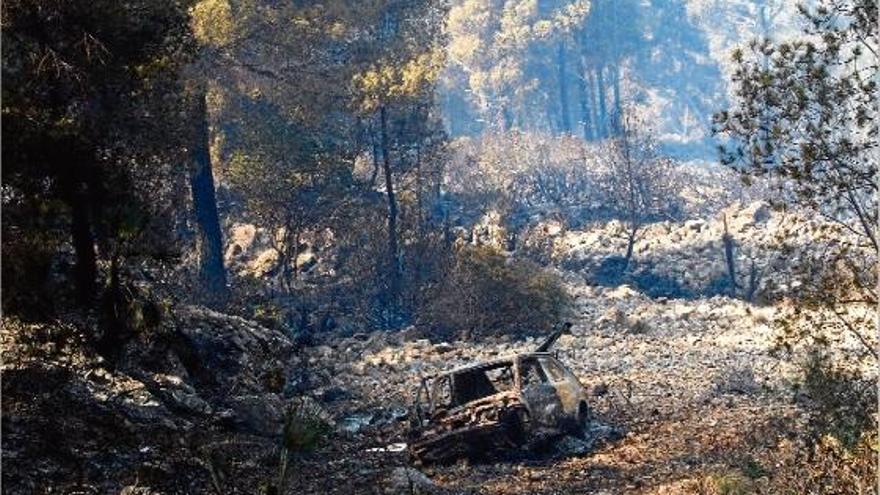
(492, 363)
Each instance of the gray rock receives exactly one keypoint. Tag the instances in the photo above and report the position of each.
(258, 413)
(333, 394)
(408, 480)
(189, 401)
(397, 413)
(695, 225)
(738, 379)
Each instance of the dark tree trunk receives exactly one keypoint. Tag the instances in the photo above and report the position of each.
(76, 190)
(586, 96)
(210, 236)
(727, 240)
(594, 104)
(86, 267)
(393, 251)
(753, 282)
(630, 244)
(564, 113)
(603, 110)
(617, 112)
(419, 185)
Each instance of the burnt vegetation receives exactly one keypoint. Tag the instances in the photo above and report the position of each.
(253, 246)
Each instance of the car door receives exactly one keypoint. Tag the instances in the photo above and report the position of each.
(568, 389)
(538, 394)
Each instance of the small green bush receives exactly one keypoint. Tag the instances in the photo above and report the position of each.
(305, 427)
(269, 314)
(486, 292)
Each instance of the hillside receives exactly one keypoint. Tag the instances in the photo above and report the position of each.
(439, 246)
(688, 384)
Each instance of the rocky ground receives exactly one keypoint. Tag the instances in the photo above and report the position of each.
(197, 405)
(691, 382)
(179, 402)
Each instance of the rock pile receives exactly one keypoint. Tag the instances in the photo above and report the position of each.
(688, 259)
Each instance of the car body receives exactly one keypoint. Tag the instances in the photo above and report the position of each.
(498, 404)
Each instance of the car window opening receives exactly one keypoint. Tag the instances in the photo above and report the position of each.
(532, 374)
(553, 370)
(480, 383)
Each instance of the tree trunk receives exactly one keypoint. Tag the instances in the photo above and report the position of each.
(617, 112)
(632, 202)
(586, 96)
(210, 237)
(603, 110)
(393, 251)
(295, 257)
(86, 267)
(727, 240)
(753, 282)
(563, 90)
(419, 184)
(630, 245)
(594, 104)
(284, 268)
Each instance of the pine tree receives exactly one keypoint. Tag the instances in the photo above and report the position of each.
(805, 116)
(86, 104)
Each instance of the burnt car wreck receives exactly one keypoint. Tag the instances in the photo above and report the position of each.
(507, 403)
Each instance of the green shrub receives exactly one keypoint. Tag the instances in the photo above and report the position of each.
(306, 427)
(486, 292)
(269, 315)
